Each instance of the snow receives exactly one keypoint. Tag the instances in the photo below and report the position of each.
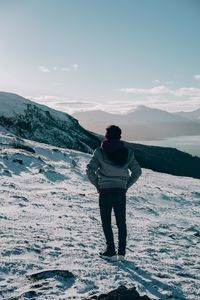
(49, 220)
(41, 123)
(12, 105)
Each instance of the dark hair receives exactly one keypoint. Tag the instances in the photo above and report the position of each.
(113, 133)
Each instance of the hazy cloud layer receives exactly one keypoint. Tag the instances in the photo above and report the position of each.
(161, 97)
(71, 106)
(163, 89)
(119, 107)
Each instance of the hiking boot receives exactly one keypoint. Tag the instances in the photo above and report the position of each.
(108, 255)
(121, 255)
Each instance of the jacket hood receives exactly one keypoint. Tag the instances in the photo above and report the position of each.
(115, 151)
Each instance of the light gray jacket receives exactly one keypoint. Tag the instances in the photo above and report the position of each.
(103, 173)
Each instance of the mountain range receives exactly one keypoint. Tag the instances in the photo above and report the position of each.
(144, 123)
(29, 120)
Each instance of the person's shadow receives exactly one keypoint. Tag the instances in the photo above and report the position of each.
(150, 283)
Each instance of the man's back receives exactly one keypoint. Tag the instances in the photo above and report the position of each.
(108, 170)
(104, 173)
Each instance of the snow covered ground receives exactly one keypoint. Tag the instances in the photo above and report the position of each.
(49, 220)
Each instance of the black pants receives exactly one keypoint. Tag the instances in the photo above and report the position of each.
(117, 201)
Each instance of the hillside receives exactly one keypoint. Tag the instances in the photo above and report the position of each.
(166, 160)
(51, 231)
(40, 123)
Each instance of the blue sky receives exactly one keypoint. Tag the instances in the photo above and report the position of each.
(111, 55)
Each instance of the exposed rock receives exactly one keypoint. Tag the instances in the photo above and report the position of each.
(25, 147)
(197, 234)
(19, 161)
(121, 293)
(51, 273)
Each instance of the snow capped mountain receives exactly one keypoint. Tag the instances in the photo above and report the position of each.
(51, 231)
(41, 123)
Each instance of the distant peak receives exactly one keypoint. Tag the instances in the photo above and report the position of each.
(141, 107)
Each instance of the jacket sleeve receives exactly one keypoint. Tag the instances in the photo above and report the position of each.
(92, 168)
(136, 171)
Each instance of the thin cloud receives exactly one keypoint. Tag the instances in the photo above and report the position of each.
(197, 77)
(169, 82)
(156, 81)
(44, 69)
(66, 69)
(191, 92)
(161, 90)
(75, 67)
(70, 105)
(58, 83)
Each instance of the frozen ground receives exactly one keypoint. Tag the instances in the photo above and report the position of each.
(49, 220)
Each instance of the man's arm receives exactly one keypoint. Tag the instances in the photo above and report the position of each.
(92, 168)
(136, 171)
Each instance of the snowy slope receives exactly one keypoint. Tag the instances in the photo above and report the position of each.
(12, 105)
(49, 220)
(37, 122)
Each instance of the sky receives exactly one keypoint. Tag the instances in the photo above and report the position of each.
(112, 55)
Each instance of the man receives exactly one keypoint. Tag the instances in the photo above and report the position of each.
(108, 170)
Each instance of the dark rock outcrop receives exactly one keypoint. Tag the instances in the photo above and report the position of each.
(44, 274)
(121, 293)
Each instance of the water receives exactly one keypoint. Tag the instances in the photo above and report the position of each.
(189, 144)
